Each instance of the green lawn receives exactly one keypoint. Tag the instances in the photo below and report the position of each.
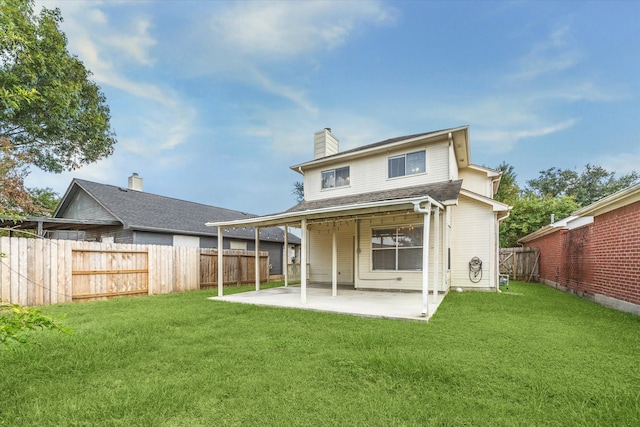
(534, 356)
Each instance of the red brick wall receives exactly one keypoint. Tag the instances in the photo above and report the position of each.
(616, 254)
(550, 262)
(599, 258)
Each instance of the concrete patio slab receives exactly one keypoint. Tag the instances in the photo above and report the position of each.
(386, 305)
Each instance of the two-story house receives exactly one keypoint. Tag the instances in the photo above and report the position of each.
(409, 213)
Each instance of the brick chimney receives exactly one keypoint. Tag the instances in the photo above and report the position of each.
(324, 144)
(135, 182)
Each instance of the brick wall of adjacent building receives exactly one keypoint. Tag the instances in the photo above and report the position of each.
(616, 254)
(602, 258)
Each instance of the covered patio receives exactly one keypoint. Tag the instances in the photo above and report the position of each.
(375, 304)
(374, 292)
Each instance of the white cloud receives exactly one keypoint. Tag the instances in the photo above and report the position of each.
(272, 30)
(242, 40)
(503, 140)
(114, 49)
(621, 163)
(552, 55)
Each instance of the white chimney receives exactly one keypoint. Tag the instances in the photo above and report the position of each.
(324, 144)
(135, 182)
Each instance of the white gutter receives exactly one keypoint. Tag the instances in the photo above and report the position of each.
(297, 216)
(451, 150)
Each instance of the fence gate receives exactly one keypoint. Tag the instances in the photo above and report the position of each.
(98, 273)
(519, 263)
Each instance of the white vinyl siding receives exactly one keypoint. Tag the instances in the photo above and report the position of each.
(320, 251)
(477, 182)
(369, 174)
(473, 235)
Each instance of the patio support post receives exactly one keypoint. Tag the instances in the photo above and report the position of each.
(303, 261)
(425, 261)
(334, 263)
(445, 253)
(436, 253)
(257, 245)
(220, 262)
(286, 256)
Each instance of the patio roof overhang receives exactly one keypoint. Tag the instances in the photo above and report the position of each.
(358, 206)
(293, 219)
(42, 224)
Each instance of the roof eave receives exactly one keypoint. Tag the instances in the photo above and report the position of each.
(381, 148)
(616, 200)
(345, 210)
(496, 205)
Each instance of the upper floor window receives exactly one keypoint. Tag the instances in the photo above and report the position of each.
(335, 177)
(407, 164)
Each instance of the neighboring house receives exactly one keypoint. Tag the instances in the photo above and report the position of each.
(595, 253)
(108, 213)
(408, 213)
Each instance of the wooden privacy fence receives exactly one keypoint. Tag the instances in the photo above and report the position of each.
(42, 271)
(520, 263)
(239, 267)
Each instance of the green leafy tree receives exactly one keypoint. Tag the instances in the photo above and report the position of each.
(508, 191)
(50, 108)
(45, 200)
(531, 213)
(589, 185)
(298, 191)
(15, 200)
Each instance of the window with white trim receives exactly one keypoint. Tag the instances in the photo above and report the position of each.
(397, 248)
(335, 177)
(407, 164)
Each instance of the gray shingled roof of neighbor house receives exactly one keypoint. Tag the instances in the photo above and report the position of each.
(139, 210)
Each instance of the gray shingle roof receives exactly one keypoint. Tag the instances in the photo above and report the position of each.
(378, 144)
(439, 191)
(145, 211)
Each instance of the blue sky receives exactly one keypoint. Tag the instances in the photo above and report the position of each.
(212, 101)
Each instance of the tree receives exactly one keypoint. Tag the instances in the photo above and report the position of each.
(45, 199)
(531, 213)
(50, 108)
(298, 191)
(591, 184)
(15, 199)
(508, 191)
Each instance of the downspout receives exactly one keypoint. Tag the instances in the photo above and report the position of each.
(449, 157)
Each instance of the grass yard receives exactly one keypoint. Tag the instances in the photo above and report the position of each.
(533, 357)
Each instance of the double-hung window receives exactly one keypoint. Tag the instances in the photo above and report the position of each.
(335, 177)
(397, 248)
(407, 164)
